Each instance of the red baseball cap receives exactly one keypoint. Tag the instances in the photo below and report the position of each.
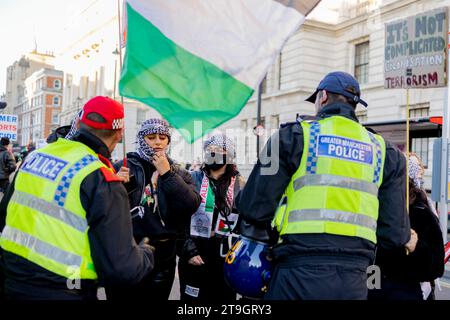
(109, 109)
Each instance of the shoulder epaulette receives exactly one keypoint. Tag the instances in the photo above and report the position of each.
(109, 175)
(287, 124)
(307, 118)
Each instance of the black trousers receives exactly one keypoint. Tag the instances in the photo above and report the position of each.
(2, 278)
(158, 284)
(205, 283)
(394, 290)
(4, 184)
(319, 278)
(22, 290)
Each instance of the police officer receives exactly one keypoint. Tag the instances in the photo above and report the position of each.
(339, 192)
(67, 224)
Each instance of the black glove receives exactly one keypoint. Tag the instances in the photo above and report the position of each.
(145, 245)
(254, 232)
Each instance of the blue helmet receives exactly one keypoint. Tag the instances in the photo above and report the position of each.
(247, 268)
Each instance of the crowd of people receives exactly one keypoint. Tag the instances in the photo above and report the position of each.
(72, 221)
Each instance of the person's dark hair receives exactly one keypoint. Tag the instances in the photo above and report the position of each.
(4, 141)
(416, 194)
(101, 133)
(31, 146)
(334, 97)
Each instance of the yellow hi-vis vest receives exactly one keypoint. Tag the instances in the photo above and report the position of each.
(46, 222)
(335, 188)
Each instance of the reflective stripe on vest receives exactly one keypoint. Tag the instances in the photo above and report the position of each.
(41, 247)
(336, 181)
(50, 209)
(333, 215)
(335, 189)
(46, 222)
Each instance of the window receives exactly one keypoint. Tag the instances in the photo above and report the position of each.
(57, 84)
(56, 101)
(420, 146)
(55, 119)
(419, 112)
(362, 62)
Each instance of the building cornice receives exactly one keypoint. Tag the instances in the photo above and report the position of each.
(358, 19)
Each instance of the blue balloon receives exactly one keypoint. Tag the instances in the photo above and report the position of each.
(247, 269)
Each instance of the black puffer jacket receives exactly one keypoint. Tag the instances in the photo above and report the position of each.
(7, 163)
(426, 263)
(176, 194)
(188, 247)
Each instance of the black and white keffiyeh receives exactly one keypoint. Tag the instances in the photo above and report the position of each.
(150, 126)
(73, 128)
(221, 141)
(415, 170)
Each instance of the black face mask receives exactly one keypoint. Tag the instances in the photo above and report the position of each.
(214, 161)
(215, 166)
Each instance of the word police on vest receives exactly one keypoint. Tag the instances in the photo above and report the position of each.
(44, 166)
(345, 149)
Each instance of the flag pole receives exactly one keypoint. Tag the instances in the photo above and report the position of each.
(121, 97)
(407, 149)
(258, 118)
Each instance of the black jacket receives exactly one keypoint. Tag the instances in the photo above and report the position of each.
(116, 256)
(191, 246)
(426, 262)
(259, 199)
(7, 163)
(177, 199)
(60, 132)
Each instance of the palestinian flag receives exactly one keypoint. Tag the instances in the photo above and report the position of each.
(201, 60)
(223, 227)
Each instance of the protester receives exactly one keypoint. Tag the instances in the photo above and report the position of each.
(7, 165)
(209, 240)
(423, 259)
(162, 198)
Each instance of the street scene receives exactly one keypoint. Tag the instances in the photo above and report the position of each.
(230, 151)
